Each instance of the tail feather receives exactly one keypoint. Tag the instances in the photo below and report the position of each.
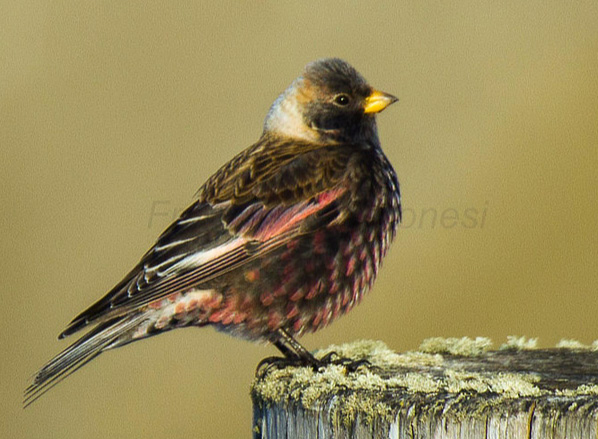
(79, 354)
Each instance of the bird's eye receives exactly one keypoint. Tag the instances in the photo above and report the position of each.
(341, 100)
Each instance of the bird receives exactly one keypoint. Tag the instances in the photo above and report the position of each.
(280, 241)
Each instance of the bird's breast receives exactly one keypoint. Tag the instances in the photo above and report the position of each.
(318, 275)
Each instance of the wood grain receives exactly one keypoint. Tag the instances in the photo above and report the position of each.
(451, 388)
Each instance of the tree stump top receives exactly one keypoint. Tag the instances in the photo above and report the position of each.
(448, 385)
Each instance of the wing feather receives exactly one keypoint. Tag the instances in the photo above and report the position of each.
(248, 208)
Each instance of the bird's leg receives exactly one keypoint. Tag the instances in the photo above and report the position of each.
(286, 351)
(294, 354)
(291, 348)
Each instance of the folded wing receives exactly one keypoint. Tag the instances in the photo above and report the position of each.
(243, 212)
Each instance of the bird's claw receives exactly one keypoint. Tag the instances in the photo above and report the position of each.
(270, 363)
(350, 364)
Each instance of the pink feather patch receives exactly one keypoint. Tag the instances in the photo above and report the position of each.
(281, 219)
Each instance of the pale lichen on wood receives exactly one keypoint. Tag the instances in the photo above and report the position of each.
(450, 388)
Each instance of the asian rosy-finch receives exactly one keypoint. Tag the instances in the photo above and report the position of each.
(283, 239)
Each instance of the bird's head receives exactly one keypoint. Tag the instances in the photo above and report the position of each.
(329, 102)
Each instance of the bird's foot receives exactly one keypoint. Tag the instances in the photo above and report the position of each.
(351, 365)
(271, 363)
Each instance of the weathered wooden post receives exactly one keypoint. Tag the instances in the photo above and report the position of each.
(451, 388)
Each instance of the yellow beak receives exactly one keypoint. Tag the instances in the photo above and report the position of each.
(378, 101)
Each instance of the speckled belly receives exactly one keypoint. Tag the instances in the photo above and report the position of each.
(301, 286)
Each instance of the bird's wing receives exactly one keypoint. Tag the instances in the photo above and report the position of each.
(244, 211)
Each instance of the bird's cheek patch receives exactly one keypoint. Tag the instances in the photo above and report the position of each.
(306, 93)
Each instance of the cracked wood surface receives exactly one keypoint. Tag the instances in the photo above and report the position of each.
(440, 392)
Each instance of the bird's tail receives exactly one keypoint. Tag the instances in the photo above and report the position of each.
(80, 353)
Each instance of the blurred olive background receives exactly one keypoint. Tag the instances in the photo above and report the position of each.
(113, 113)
